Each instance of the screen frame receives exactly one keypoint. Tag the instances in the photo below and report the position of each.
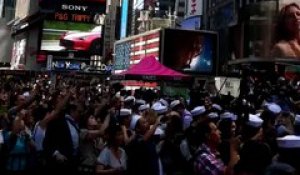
(215, 62)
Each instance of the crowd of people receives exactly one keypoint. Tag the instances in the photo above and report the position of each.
(73, 127)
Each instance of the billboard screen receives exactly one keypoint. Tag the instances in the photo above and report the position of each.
(122, 55)
(131, 50)
(190, 51)
(195, 7)
(124, 18)
(61, 36)
(75, 26)
(191, 23)
(138, 4)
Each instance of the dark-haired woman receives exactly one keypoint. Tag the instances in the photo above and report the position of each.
(112, 159)
(288, 36)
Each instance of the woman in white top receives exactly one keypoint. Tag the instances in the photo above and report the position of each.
(112, 159)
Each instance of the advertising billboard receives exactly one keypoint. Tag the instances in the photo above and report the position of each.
(195, 7)
(54, 5)
(131, 50)
(190, 51)
(138, 4)
(191, 23)
(75, 26)
(61, 63)
(60, 36)
(122, 55)
(124, 18)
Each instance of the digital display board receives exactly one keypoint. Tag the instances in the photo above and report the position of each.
(73, 25)
(198, 54)
(124, 18)
(122, 55)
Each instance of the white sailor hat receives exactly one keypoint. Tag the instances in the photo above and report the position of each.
(144, 107)
(255, 121)
(281, 131)
(198, 110)
(213, 115)
(156, 104)
(217, 107)
(289, 141)
(125, 112)
(228, 115)
(159, 108)
(118, 94)
(174, 104)
(134, 121)
(274, 108)
(164, 102)
(26, 94)
(140, 102)
(129, 98)
(297, 120)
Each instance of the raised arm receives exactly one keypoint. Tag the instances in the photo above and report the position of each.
(55, 113)
(91, 134)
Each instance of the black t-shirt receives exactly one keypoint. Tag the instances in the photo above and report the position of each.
(142, 157)
(254, 157)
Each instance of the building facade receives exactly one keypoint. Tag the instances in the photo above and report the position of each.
(245, 27)
(112, 26)
(25, 36)
(7, 18)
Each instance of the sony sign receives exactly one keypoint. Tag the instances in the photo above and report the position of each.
(68, 7)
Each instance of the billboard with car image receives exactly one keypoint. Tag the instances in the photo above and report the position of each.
(74, 26)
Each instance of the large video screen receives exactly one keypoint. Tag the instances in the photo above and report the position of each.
(190, 51)
(60, 36)
(75, 26)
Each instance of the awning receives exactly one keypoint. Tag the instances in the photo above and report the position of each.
(27, 23)
(149, 69)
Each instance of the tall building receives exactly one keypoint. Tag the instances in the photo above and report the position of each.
(7, 19)
(25, 35)
(112, 26)
(137, 7)
(181, 9)
(19, 30)
(220, 16)
(164, 7)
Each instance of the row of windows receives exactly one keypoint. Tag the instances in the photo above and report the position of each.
(7, 9)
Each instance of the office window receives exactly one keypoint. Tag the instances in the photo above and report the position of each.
(9, 9)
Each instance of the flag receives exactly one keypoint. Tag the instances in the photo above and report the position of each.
(144, 45)
(130, 51)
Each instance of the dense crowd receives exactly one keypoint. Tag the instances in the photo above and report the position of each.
(74, 127)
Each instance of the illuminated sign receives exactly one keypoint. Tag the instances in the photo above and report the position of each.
(54, 5)
(122, 57)
(75, 11)
(124, 18)
(195, 7)
(74, 25)
(60, 16)
(74, 7)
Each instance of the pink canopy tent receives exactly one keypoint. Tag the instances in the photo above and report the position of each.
(151, 70)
